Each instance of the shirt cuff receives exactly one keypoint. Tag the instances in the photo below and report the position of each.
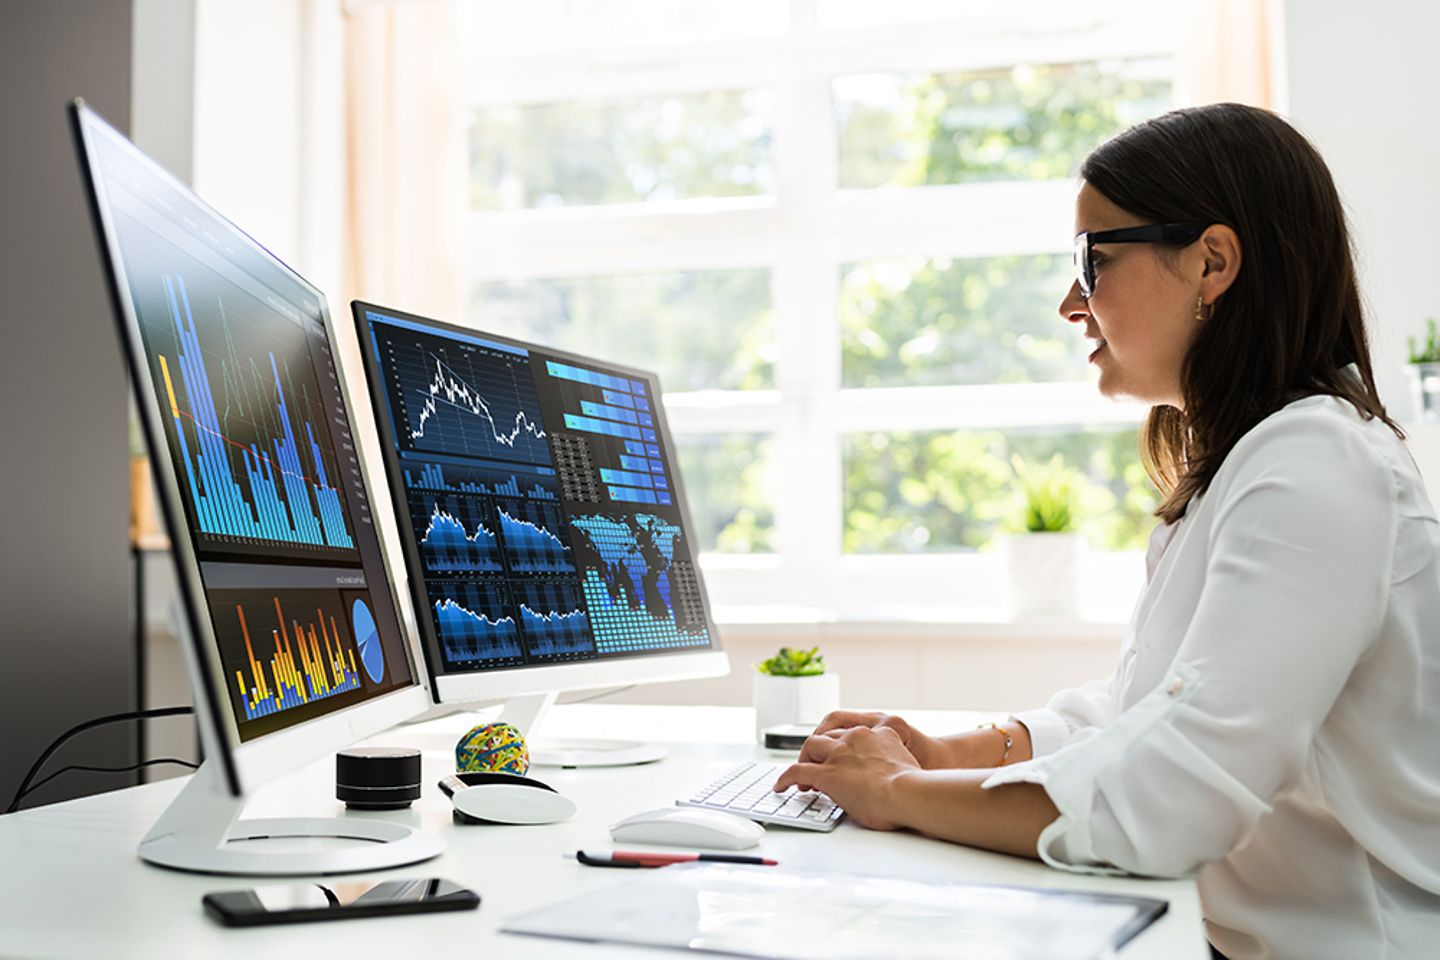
(1071, 777)
(1048, 730)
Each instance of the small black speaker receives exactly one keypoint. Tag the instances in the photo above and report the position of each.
(377, 778)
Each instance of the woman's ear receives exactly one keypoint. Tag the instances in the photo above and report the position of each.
(1220, 248)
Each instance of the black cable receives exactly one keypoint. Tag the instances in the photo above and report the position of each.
(79, 728)
(89, 769)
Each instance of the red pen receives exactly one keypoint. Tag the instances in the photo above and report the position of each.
(640, 858)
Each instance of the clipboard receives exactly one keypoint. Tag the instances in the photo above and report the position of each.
(797, 915)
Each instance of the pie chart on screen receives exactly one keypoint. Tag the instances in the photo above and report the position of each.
(367, 640)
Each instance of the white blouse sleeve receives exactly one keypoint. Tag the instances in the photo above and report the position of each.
(1066, 714)
(1295, 589)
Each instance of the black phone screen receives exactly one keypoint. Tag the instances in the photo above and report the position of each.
(301, 902)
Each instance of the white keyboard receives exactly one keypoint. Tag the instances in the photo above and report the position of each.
(745, 789)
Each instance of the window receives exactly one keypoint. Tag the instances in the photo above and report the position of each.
(839, 231)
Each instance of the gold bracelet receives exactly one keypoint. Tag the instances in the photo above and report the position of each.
(1009, 740)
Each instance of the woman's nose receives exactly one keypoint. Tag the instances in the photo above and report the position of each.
(1074, 307)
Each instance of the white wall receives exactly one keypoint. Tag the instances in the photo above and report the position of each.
(162, 83)
(1360, 81)
(269, 127)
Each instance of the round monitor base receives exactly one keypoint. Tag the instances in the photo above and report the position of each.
(594, 753)
(379, 844)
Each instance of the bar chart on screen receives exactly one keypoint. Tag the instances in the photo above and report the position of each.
(282, 654)
(250, 430)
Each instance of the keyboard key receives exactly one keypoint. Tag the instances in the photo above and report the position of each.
(746, 789)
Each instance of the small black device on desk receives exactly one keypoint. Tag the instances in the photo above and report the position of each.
(377, 778)
(788, 736)
(336, 900)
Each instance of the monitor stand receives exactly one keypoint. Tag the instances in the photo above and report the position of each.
(526, 713)
(201, 831)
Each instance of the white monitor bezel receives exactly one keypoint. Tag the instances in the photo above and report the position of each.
(247, 764)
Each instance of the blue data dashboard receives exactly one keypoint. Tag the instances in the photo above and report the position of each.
(537, 498)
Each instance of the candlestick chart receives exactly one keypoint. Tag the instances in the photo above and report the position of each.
(456, 534)
(532, 533)
(474, 624)
(461, 398)
(552, 620)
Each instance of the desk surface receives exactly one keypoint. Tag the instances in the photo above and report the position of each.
(71, 884)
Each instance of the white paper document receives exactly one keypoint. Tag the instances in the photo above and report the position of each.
(776, 912)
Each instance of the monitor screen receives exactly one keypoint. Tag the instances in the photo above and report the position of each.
(538, 500)
(258, 435)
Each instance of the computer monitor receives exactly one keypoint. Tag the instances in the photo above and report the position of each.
(294, 643)
(542, 519)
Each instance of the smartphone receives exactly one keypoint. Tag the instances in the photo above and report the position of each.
(303, 902)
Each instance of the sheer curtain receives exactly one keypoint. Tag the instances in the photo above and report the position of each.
(1225, 52)
(405, 156)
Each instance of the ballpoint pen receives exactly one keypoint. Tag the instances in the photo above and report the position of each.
(641, 858)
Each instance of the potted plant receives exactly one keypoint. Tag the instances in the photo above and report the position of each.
(793, 687)
(1425, 373)
(1043, 560)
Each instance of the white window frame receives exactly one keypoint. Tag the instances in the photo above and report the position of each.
(803, 235)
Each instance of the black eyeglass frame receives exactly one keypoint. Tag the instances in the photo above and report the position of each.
(1170, 234)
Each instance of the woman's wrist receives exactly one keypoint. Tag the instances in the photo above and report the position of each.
(989, 746)
(1004, 739)
(905, 796)
(1022, 748)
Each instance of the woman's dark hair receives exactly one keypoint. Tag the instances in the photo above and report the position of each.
(1289, 323)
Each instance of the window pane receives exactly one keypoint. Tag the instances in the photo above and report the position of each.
(568, 24)
(911, 322)
(702, 330)
(729, 489)
(662, 148)
(955, 490)
(1020, 123)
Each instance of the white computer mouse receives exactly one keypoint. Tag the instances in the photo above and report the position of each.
(689, 827)
(506, 798)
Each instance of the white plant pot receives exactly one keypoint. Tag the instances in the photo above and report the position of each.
(1044, 574)
(793, 700)
(1425, 390)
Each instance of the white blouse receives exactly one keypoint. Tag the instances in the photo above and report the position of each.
(1274, 721)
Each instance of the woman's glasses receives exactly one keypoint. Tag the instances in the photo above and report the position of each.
(1170, 234)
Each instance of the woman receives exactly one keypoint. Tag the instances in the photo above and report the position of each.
(1274, 721)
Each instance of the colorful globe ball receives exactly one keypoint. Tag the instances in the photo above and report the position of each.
(492, 748)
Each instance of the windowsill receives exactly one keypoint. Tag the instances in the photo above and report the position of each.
(946, 624)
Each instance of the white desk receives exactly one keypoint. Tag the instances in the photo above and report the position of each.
(71, 884)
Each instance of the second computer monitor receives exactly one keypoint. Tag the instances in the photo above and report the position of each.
(540, 510)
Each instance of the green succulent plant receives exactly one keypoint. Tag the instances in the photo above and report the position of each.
(1430, 351)
(794, 663)
(1048, 495)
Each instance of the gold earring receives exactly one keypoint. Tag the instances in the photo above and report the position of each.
(1200, 308)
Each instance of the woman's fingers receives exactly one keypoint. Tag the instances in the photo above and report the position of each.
(803, 776)
(840, 719)
(818, 747)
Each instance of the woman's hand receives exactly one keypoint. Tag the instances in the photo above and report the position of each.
(857, 767)
(930, 752)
